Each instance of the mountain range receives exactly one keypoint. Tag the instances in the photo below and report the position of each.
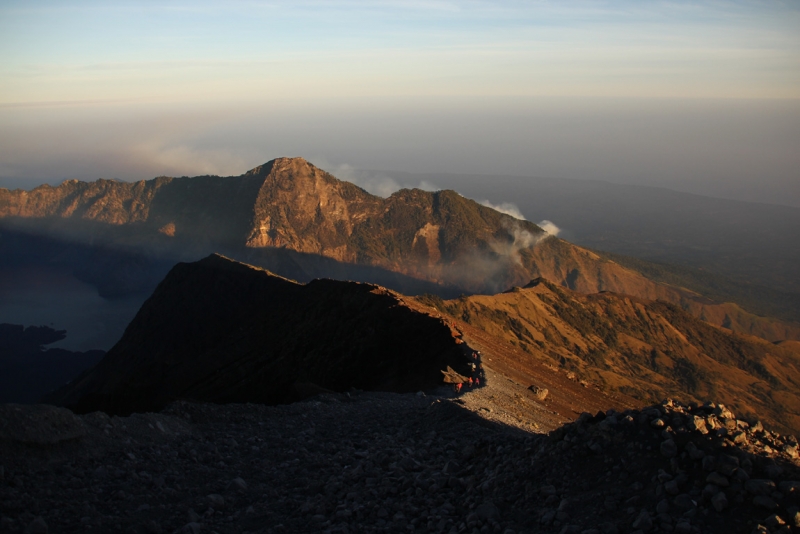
(423, 412)
(221, 331)
(301, 222)
(734, 250)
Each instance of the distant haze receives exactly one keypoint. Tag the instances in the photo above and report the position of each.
(738, 149)
(702, 97)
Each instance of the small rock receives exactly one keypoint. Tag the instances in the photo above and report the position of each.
(643, 521)
(739, 437)
(774, 521)
(37, 526)
(216, 501)
(487, 511)
(657, 423)
(759, 486)
(237, 484)
(710, 490)
(192, 528)
(698, 424)
(789, 486)
(718, 480)
(719, 501)
(685, 501)
(765, 501)
(539, 392)
(669, 448)
(671, 487)
(547, 490)
(773, 471)
(709, 462)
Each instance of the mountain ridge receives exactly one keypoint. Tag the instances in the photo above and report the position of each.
(289, 204)
(642, 348)
(218, 330)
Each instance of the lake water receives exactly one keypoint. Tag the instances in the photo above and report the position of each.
(43, 297)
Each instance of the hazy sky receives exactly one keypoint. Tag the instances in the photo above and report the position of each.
(703, 97)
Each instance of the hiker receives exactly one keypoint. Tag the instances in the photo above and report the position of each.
(458, 387)
(477, 381)
(469, 381)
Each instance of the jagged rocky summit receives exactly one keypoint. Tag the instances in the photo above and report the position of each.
(221, 331)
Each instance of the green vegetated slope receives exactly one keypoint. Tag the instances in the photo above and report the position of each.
(646, 349)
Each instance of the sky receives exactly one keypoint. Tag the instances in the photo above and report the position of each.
(699, 97)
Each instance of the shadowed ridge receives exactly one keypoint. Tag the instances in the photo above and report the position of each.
(264, 169)
(223, 263)
(221, 331)
(533, 283)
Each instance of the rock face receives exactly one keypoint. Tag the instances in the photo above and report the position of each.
(292, 206)
(221, 331)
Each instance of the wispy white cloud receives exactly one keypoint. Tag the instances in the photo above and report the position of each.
(220, 52)
(549, 227)
(505, 207)
(375, 182)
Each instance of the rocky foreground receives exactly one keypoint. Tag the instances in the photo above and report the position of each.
(385, 462)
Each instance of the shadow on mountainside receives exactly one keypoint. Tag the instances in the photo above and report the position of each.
(119, 263)
(221, 331)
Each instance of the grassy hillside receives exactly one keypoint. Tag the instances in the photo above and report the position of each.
(646, 349)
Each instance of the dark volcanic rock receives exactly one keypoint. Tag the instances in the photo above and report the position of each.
(217, 330)
(385, 462)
